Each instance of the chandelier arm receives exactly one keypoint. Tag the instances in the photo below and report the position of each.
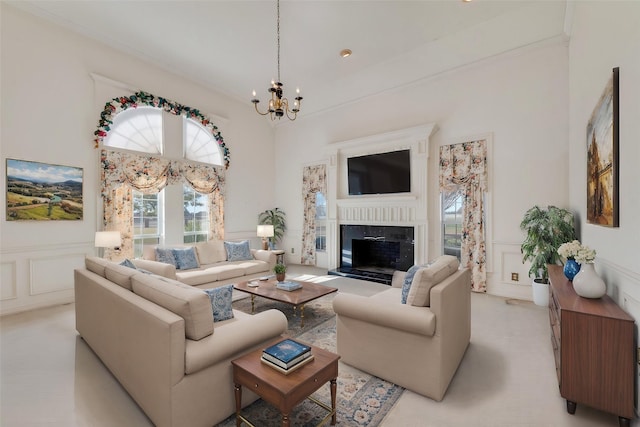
(295, 115)
(255, 104)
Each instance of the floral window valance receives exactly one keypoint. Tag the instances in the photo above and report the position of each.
(116, 105)
(150, 174)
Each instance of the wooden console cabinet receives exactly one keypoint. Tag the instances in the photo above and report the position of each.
(594, 347)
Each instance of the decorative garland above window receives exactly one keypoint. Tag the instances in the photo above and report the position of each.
(116, 105)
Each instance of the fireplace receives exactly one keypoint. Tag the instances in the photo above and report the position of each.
(372, 252)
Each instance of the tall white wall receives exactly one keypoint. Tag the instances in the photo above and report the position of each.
(518, 99)
(607, 35)
(49, 114)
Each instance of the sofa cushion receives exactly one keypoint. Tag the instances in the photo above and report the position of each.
(96, 265)
(188, 302)
(120, 275)
(250, 267)
(238, 251)
(166, 255)
(221, 299)
(211, 252)
(198, 276)
(426, 278)
(185, 258)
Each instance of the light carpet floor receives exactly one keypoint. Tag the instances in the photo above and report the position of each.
(49, 377)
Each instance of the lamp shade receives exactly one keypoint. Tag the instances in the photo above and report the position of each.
(107, 239)
(265, 231)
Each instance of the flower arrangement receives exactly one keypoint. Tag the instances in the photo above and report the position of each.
(586, 255)
(569, 250)
(577, 251)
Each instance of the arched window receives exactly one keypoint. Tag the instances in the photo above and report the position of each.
(199, 144)
(137, 129)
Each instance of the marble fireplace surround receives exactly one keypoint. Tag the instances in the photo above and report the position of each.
(403, 209)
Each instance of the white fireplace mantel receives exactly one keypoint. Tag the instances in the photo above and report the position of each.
(406, 209)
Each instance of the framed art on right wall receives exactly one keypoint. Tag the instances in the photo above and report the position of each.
(603, 157)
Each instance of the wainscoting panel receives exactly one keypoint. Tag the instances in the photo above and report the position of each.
(39, 276)
(53, 274)
(8, 287)
(507, 268)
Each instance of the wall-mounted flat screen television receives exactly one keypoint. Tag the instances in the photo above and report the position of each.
(382, 173)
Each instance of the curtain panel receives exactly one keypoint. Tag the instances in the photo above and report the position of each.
(314, 180)
(464, 167)
(123, 172)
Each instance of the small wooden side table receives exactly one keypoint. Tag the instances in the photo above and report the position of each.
(279, 253)
(286, 391)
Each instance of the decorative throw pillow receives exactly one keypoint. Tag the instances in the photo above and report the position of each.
(166, 256)
(185, 258)
(221, 298)
(408, 279)
(238, 251)
(127, 263)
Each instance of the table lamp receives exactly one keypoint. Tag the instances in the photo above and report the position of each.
(265, 231)
(108, 239)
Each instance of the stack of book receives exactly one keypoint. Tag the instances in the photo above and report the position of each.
(288, 286)
(287, 355)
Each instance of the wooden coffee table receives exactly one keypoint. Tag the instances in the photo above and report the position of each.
(286, 391)
(298, 298)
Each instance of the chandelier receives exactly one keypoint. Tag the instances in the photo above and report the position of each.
(278, 104)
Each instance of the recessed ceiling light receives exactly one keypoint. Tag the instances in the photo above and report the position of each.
(345, 52)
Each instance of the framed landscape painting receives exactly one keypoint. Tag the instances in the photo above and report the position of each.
(43, 192)
(603, 157)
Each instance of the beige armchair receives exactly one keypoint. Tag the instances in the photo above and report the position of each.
(419, 346)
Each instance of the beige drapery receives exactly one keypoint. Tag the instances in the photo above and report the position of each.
(123, 171)
(464, 166)
(314, 180)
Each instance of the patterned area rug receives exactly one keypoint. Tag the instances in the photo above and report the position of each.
(362, 399)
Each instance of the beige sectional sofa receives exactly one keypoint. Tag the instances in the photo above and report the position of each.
(214, 268)
(158, 338)
(417, 345)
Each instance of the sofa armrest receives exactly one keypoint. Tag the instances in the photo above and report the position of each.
(266, 256)
(233, 339)
(398, 279)
(156, 267)
(417, 320)
(451, 303)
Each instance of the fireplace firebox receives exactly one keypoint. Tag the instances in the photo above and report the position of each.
(372, 252)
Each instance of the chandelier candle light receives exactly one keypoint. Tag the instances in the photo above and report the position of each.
(278, 104)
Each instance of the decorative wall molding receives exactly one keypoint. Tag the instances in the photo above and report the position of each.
(53, 273)
(377, 215)
(39, 276)
(8, 285)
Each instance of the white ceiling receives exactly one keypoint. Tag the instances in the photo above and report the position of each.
(230, 46)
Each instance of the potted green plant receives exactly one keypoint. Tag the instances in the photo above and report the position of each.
(280, 270)
(274, 217)
(546, 229)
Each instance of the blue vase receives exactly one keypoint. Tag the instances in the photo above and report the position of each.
(571, 268)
